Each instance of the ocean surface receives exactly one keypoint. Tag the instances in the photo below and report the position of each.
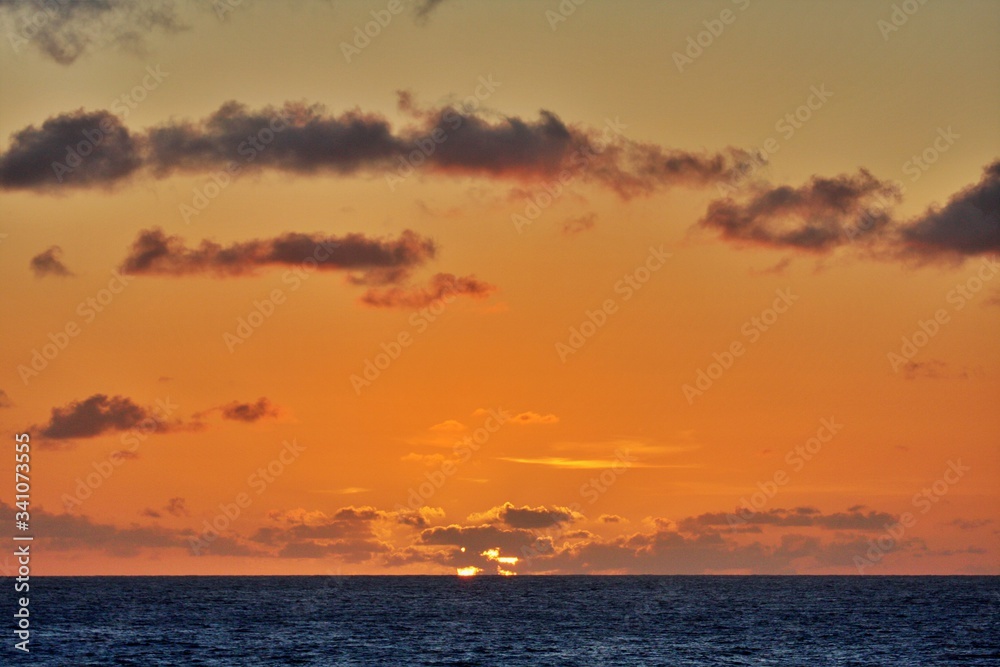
(642, 620)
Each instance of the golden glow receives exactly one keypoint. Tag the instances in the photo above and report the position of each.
(494, 554)
(604, 437)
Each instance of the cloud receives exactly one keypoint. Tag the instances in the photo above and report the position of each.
(611, 518)
(64, 31)
(371, 260)
(292, 530)
(814, 217)
(424, 8)
(441, 287)
(533, 418)
(449, 425)
(526, 517)
(968, 225)
(100, 414)
(73, 150)
(586, 464)
(249, 412)
(307, 139)
(350, 551)
(477, 539)
(800, 517)
(421, 517)
(582, 223)
(970, 524)
(5, 401)
(62, 532)
(49, 263)
(933, 369)
(543, 539)
(829, 213)
(175, 507)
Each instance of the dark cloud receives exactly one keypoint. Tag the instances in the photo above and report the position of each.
(349, 551)
(356, 534)
(49, 263)
(249, 412)
(815, 217)
(373, 261)
(306, 139)
(526, 517)
(610, 518)
(177, 507)
(101, 414)
(969, 224)
(64, 30)
(799, 517)
(479, 538)
(5, 401)
(297, 138)
(351, 523)
(828, 213)
(78, 149)
(441, 286)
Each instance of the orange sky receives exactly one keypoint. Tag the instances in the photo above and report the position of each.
(498, 280)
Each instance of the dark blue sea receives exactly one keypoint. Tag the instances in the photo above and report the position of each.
(587, 620)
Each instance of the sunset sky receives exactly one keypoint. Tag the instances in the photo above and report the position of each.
(629, 287)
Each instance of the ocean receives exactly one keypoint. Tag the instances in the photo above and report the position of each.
(511, 621)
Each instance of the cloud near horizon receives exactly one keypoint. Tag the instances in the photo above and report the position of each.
(539, 538)
(526, 517)
(64, 31)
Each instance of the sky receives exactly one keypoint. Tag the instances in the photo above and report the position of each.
(468, 287)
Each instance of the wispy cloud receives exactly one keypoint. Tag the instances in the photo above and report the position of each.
(49, 263)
